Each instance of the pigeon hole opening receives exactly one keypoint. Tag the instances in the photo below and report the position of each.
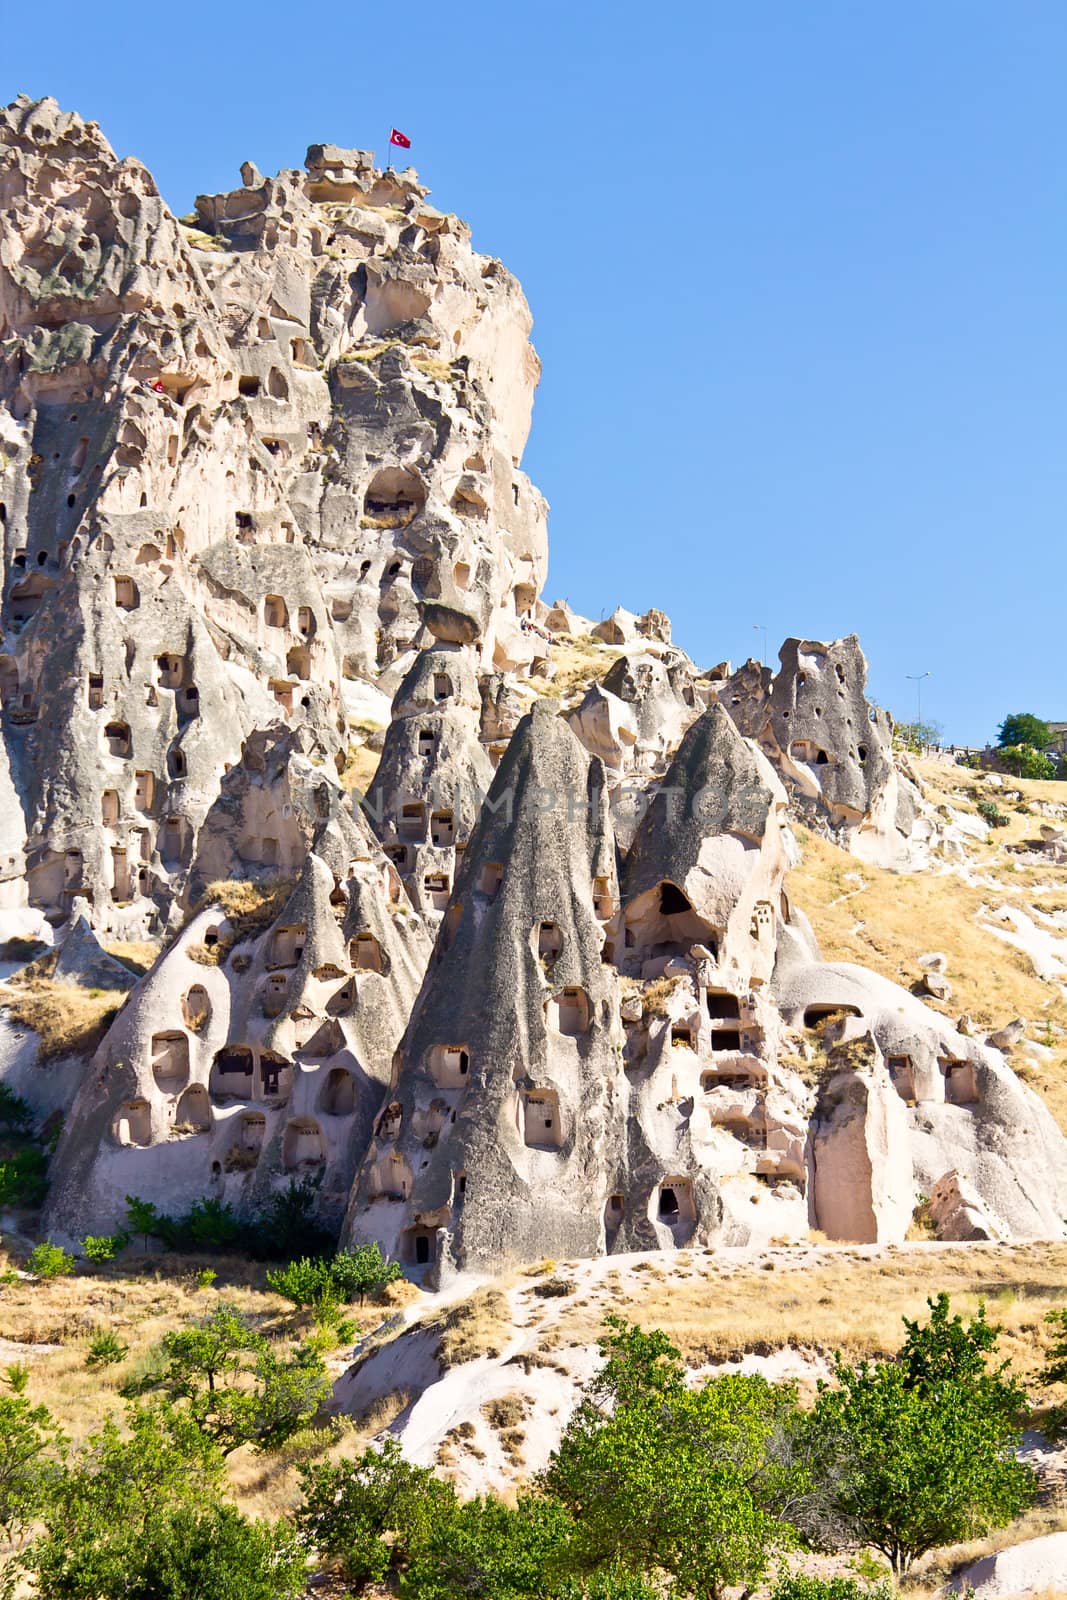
(490, 878)
(196, 1007)
(418, 1246)
(541, 1124)
(303, 1146)
(442, 829)
(233, 1072)
(674, 1203)
(133, 1123)
(194, 1110)
(287, 945)
(338, 1093)
(251, 1130)
(412, 821)
(391, 1121)
(275, 612)
(568, 1012)
(275, 993)
(365, 954)
(450, 1066)
(961, 1082)
(442, 686)
(170, 1061)
(437, 889)
(117, 735)
(549, 940)
(722, 1006)
(814, 1016)
(901, 1075)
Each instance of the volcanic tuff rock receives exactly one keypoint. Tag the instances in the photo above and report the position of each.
(544, 992)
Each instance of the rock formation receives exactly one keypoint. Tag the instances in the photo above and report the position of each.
(541, 990)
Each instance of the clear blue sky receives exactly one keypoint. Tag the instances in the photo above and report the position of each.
(797, 270)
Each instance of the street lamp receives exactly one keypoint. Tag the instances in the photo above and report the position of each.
(759, 628)
(917, 680)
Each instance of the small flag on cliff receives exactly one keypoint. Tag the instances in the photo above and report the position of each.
(396, 137)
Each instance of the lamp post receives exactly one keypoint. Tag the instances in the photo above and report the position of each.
(759, 628)
(917, 680)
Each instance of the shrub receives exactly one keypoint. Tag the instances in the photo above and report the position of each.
(16, 1115)
(47, 1260)
(216, 1551)
(799, 1587)
(991, 813)
(104, 1247)
(1022, 761)
(374, 1514)
(305, 1282)
(23, 1177)
(106, 1350)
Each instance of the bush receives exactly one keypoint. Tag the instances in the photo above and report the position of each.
(799, 1587)
(375, 1514)
(215, 1551)
(1022, 761)
(991, 813)
(47, 1260)
(16, 1115)
(23, 1177)
(104, 1247)
(310, 1282)
(304, 1282)
(106, 1350)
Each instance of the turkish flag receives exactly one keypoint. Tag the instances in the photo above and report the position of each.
(396, 137)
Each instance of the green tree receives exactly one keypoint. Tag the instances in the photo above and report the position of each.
(1022, 727)
(1055, 1368)
(215, 1551)
(234, 1385)
(917, 736)
(142, 1217)
(659, 1475)
(112, 1497)
(1023, 761)
(923, 1447)
(363, 1271)
(373, 1514)
(31, 1452)
(493, 1551)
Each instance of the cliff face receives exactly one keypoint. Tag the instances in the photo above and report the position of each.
(545, 993)
(237, 460)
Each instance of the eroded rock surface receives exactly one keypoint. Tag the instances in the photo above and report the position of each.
(263, 522)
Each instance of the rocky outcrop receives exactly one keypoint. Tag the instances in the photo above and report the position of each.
(830, 746)
(541, 990)
(507, 1112)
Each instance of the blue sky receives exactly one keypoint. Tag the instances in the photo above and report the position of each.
(796, 268)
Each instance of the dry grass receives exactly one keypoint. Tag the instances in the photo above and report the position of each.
(433, 368)
(361, 763)
(886, 920)
(837, 1298)
(579, 661)
(479, 1326)
(138, 954)
(67, 1019)
(249, 906)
